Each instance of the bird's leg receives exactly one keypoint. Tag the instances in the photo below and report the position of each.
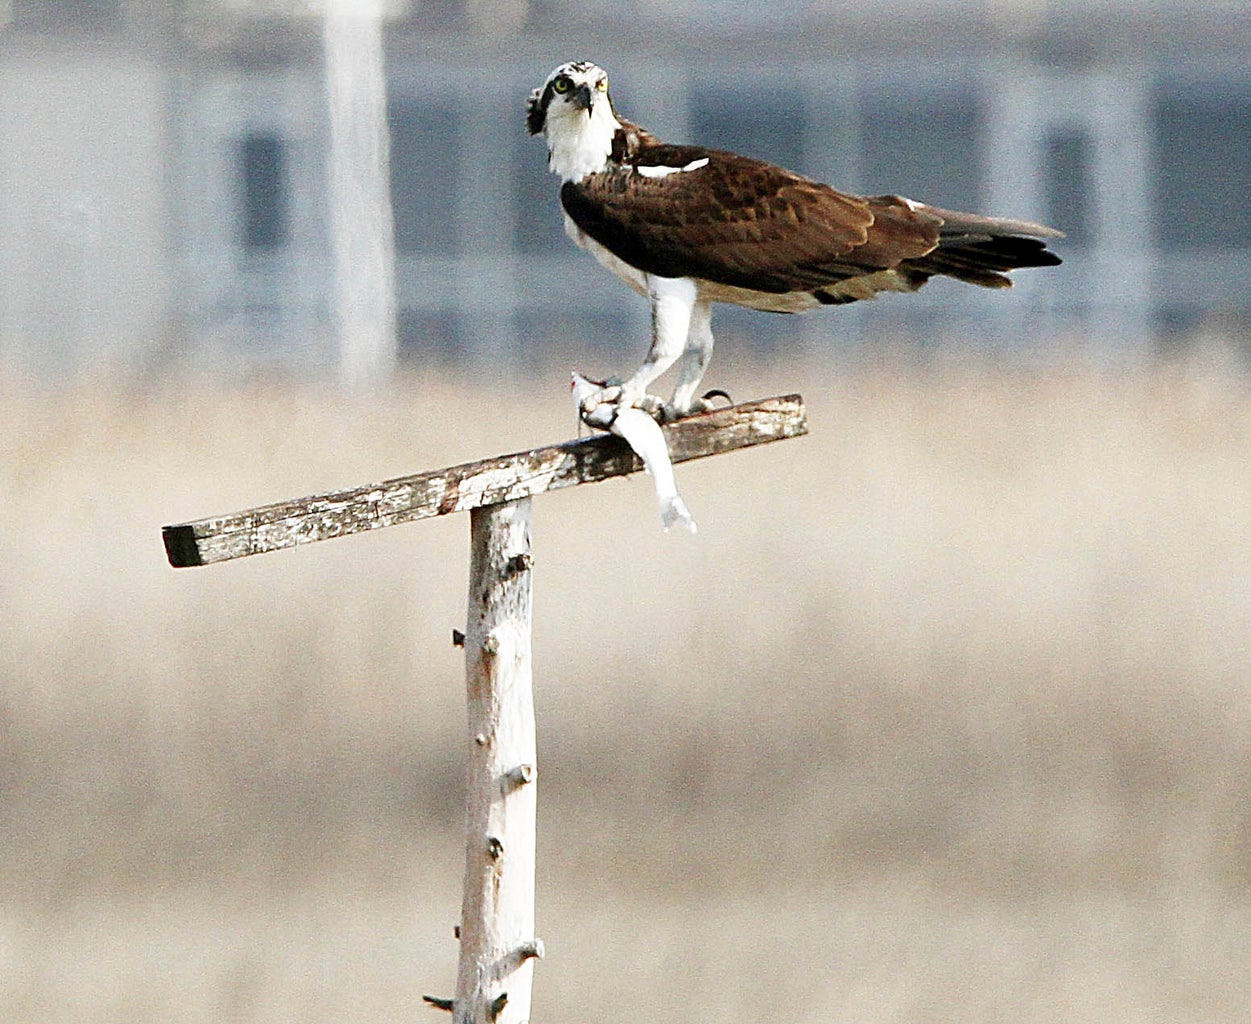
(672, 300)
(694, 363)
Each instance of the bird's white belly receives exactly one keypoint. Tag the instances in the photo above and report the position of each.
(632, 276)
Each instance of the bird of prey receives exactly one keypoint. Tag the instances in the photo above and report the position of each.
(687, 226)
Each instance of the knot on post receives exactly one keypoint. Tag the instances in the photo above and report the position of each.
(532, 950)
(518, 564)
(504, 646)
(520, 776)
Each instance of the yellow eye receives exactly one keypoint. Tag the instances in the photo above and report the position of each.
(601, 85)
(562, 84)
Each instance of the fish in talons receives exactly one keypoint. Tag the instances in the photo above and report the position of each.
(597, 409)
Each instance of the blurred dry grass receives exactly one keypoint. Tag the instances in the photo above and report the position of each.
(944, 715)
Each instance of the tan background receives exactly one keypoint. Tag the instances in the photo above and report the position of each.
(942, 716)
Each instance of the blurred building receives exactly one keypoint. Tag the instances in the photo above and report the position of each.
(163, 165)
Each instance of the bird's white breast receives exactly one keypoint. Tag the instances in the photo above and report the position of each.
(579, 144)
(632, 276)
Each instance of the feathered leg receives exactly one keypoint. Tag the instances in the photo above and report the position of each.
(673, 299)
(694, 363)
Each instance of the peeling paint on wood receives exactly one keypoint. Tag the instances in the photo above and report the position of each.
(461, 488)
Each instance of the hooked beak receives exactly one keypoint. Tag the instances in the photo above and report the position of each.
(583, 98)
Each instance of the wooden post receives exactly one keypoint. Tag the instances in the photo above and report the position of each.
(497, 941)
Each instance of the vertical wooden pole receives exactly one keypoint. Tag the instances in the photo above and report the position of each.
(497, 940)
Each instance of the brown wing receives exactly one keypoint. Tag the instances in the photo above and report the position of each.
(743, 222)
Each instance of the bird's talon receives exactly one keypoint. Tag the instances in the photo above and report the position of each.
(668, 412)
(607, 395)
(654, 407)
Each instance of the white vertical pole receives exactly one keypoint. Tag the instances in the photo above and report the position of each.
(497, 941)
(360, 190)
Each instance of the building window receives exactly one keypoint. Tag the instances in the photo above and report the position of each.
(1203, 149)
(266, 215)
(925, 147)
(424, 177)
(1069, 186)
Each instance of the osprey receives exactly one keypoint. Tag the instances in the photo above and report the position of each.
(688, 226)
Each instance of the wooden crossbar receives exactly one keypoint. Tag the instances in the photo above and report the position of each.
(460, 488)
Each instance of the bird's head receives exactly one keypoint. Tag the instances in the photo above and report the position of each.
(574, 112)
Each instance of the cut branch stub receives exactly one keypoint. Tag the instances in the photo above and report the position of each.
(522, 775)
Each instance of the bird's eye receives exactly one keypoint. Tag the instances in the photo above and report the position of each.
(601, 85)
(562, 84)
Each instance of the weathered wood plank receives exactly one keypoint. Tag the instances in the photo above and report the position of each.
(460, 488)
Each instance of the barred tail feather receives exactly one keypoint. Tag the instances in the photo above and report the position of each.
(981, 250)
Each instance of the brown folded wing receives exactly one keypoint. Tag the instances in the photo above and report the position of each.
(742, 222)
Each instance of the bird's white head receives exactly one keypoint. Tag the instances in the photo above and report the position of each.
(573, 111)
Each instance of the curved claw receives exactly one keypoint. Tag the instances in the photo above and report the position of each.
(655, 407)
(667, 413)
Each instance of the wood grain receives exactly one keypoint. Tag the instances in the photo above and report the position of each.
(286, 524)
